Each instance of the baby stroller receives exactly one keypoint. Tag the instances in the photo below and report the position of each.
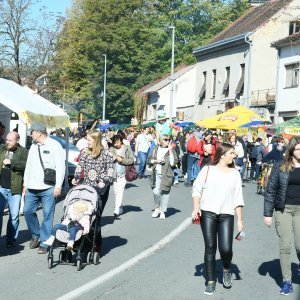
(83, 243)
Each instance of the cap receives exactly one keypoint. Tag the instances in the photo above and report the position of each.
(38, 127)
(161, 115)
(207, 132)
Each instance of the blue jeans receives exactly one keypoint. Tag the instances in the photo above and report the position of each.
(32, 199)
(142, 159)
(193, 168)
(72, 230)
(13, 202)
(242, 170)
(176, 175)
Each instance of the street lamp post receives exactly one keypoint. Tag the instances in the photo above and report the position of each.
(104, 89)
(172, 72)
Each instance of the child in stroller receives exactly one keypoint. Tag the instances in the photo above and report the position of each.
(77, 217)
(77, 231)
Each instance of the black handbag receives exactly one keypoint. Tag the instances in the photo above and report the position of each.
(49, 174)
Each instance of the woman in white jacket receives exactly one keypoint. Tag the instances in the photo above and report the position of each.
(217, 194)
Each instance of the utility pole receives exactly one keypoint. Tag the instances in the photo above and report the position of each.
(172, 72)
(104, 89)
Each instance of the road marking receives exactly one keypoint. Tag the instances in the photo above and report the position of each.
(128, 264)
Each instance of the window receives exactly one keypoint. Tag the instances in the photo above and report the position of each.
(294, 27)
(292, 75)
(214, 83)
(240, 87)
(154, 112)
(226, 84)
(203, 89)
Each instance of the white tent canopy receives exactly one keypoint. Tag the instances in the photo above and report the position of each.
(31, 107)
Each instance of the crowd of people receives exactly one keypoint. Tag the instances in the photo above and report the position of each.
(214, 164)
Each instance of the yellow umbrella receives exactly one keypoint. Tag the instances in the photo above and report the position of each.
(231, 119)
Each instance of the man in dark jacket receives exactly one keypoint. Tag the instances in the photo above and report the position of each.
(12, 165)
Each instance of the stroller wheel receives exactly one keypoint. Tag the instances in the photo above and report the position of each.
(96, 259)
(88, 258)
(62, 256)
(78, 264)
(50, 262)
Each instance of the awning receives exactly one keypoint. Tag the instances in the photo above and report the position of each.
(30, 106)
(226, 85)
(202, 91)
(241, 83)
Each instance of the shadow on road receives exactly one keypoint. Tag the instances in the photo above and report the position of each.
(219, 271)
(23, 237)
(273, 269)
(129, 208)
(172, 211)
(107, 220)
(111, 242)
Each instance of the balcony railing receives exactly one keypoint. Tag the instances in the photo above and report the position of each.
(263, 97)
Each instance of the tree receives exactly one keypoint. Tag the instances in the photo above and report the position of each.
(135, 37)
(14, 15)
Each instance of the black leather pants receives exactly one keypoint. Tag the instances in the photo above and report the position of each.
(217, 228)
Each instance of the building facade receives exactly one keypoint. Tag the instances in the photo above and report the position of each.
(288, 89)
(239, 66)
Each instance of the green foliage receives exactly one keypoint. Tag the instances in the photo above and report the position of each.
(135, 37)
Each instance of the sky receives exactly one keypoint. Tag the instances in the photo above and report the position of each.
(56, 6)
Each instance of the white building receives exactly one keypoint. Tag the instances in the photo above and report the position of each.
(288, 89)
(158, 96)
(239, 66)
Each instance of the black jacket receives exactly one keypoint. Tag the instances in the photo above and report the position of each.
(275, 194)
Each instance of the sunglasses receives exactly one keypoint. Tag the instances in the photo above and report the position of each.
(167, 140)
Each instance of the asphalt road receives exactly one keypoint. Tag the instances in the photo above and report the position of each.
(174, 271)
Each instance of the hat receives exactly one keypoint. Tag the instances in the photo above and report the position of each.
(38, 127)
(161, 115)
(207, 132)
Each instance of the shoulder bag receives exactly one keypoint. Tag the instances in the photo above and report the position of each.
(49, 174)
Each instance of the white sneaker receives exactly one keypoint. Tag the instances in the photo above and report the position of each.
(156, 212)
(118, 212)
(50, 241)
(162, 215)
(176, 183)
(70, 245)
(185, 176)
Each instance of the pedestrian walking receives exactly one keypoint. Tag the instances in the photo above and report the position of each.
(95, 169)
(221, 182)
(142, 145)
(12, 166)
(44, 153)
(193, 156)
(206, 148)
(239, 160)
(282, 198)
(256, 156)
(161, 160)
(122, 156)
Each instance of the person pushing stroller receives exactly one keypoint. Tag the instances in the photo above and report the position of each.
(77, 217)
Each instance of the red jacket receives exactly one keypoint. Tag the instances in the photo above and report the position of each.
(201, 149)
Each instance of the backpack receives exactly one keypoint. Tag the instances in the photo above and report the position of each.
(192, 145)
(253, 152)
